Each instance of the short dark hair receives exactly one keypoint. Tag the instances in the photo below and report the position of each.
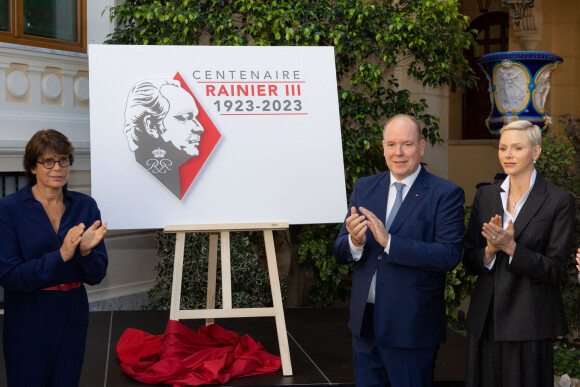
(43, 141)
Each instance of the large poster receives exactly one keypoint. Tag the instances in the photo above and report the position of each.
(201, 135)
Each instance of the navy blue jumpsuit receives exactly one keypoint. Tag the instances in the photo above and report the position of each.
(45, 330)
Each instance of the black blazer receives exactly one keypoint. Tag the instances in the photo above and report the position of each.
(526, 295)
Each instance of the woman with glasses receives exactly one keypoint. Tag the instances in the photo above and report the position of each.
(51, 242)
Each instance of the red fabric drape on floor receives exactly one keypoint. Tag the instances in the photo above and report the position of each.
(183, 357)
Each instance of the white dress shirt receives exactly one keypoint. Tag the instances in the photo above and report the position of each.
(507, 216)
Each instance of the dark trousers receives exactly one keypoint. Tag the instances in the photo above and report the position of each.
(45, 335)
(388, 366)
(507, 363)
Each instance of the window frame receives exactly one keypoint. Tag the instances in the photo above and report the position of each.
(16, 35)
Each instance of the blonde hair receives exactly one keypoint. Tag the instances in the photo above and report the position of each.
(532, 131)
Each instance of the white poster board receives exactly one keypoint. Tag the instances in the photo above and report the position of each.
(202, 135)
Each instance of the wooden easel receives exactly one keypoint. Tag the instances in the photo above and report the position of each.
(210, 313)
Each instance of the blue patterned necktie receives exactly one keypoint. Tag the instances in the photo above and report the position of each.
(396, 205)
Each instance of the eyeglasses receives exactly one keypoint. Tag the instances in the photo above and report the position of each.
(49, 163)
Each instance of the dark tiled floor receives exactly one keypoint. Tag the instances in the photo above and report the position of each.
(319, 341)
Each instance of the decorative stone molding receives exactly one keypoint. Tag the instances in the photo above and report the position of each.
(528, 40)
(529, 30)
(35, 74)
(81, 88)
(37, 92)
(3, 88)
(17, 83)
(68, 80)
(51, 86)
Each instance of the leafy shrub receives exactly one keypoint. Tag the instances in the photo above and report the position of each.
(458, 284)
(250, 280)
(316, 251)
(566, 357)
(560, 164)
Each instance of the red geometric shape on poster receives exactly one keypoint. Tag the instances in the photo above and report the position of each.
(209, 139)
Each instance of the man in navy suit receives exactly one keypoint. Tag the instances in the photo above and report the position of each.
(402, 239)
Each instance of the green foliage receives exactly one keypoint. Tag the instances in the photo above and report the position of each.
(560, 164)
(566, 357)
(316, 251)
(427, 37)
(458, 285)
(459, 323)
(370, 38)
(250, 280)
(556, 162)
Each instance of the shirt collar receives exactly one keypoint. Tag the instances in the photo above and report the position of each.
(409, 180)
(26, 193)
(506, 183)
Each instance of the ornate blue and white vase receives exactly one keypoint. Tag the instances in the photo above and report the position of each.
(519, 82)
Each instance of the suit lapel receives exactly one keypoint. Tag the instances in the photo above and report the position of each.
(416, 193)
(496, 205)
(496, 208)
(381, 194)
(531, 206)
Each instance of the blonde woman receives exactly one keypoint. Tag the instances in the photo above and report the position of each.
(518, 241)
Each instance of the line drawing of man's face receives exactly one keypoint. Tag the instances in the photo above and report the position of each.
(163, 110)
(164, 127)
(180, 126)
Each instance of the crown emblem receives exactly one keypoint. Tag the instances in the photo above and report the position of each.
(159, 153)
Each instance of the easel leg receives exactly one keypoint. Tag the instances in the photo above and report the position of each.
(226, 271)
(177, 273)
(277, 301)
(211, 274)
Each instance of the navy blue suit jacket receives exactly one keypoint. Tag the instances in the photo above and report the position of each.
(426, 241)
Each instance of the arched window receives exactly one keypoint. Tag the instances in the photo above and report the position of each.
(493, 36)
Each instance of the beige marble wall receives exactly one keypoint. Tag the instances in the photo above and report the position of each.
(473, 163)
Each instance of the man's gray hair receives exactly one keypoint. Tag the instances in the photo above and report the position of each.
(410, 118)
